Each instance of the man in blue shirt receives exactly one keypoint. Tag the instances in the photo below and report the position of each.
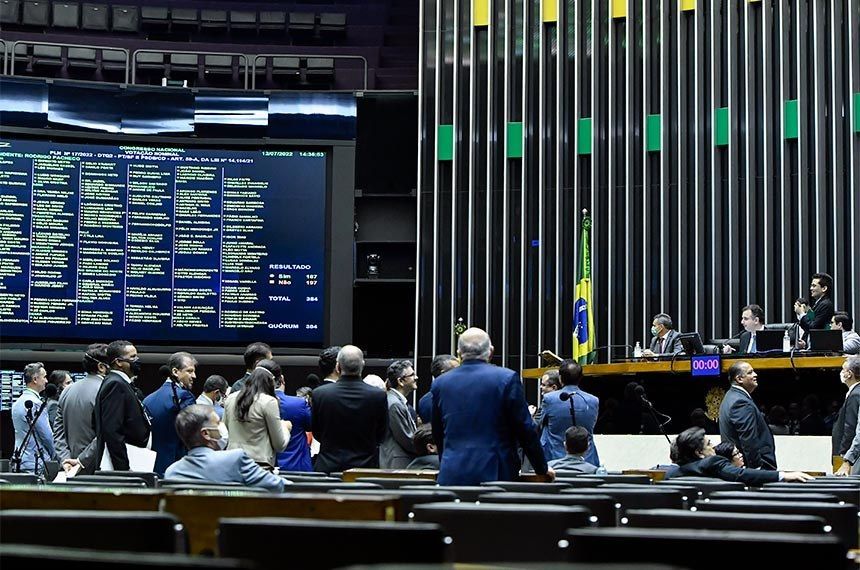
(165, 404)
(297, 455)
(557, 417)
(40, 445)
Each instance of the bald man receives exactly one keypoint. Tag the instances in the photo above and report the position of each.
(480, 418)
(349, 417)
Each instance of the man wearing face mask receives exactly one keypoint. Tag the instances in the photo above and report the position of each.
(119, 416)
(165, 404)
(199, 429)
(73, 425)
(214, 390)
(665, 338)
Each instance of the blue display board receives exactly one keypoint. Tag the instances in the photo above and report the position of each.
(707, 365)
(162, 245)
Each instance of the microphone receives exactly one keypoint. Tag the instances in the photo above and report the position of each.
(640, 391)
(564, 397)
(550, 356)
(28, 404)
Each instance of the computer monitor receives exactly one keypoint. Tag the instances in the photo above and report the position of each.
(692, 343)
(825, 340)
(769, 340)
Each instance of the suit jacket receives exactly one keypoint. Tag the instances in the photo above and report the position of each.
(673, 343)
(262, 435)
(721, 468)
(240, 383)
(205, 400)
(744, 343)
(205, 464)
(40, 435)
(350, 419)
(119, 419)
(846, 422)
(297, 455)
(425, 408)
(823, 311)
(573, 463)
(430, 462)
(397, 451)
(73, 426)
(556, 419)
(742, 423)
(850, 342)
(480, 417)
(163, 406)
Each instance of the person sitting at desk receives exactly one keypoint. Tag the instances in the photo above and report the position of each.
(850, 339)
(752, 320)
(695, 457)
(665, 338)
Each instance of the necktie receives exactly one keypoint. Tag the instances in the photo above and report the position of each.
(752, 344)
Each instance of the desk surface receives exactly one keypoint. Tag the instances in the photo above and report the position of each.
(683, 365)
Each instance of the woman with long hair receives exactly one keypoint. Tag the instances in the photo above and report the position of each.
(253, 419)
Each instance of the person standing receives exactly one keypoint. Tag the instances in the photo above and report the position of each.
(397, 450)
(120, 419)
(25, 411)
(557, 416)
(349, 417)
(73, 427)
(214, 393)
(819, 314)
(481, 418)
(441, 364)
(742, 423)
(164, 405)
(297, 411)
(846, 422)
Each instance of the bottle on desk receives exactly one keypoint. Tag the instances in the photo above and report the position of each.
(637, 350)
(786, 342)
(601, 470)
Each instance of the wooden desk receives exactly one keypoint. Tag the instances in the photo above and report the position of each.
(62, 497)
(201, 511)
(350, 475)
(682, 365)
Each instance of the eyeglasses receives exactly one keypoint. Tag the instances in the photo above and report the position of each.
(737, 453)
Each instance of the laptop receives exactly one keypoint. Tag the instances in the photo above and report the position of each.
(769, 341)
(825, 340)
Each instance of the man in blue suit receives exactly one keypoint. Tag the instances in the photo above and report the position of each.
(557, 416)
(480, 417)
(197, 426)
(164, 405)
(742, 423)
(297, 455)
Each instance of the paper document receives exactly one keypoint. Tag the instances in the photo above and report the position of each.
(139, 459)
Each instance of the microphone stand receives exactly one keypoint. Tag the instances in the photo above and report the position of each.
(17, 454)
(654, 413)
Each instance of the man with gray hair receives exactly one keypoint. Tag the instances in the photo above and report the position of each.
(349, 417)
(197, 427)
(480, 418)
(664, 337)
(31, 454)
(165, 404)
(845, 426)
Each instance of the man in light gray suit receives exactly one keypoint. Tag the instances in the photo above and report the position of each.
(665, 338)
(397, 450)
(74, 433)
(197, 426)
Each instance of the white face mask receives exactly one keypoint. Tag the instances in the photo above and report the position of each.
(222, 441)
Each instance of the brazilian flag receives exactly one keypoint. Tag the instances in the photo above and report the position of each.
(584, 337)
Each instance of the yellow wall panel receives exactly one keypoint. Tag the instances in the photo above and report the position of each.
(619, 8)
(480, 12)
(687, 5)
(549, 10)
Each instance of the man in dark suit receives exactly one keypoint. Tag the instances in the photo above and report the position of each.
(664, 337)
(119, 415)
(480, 418)
(254, 353)
(819, 314)
(742, 423)
(441, 364)
(349, 417)
(397, 450)
(846, 422)
(695, 456)
(752, 320)
(165, 404)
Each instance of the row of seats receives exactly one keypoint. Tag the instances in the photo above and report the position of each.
(199, 70)
(503, 526)
(166, 20)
